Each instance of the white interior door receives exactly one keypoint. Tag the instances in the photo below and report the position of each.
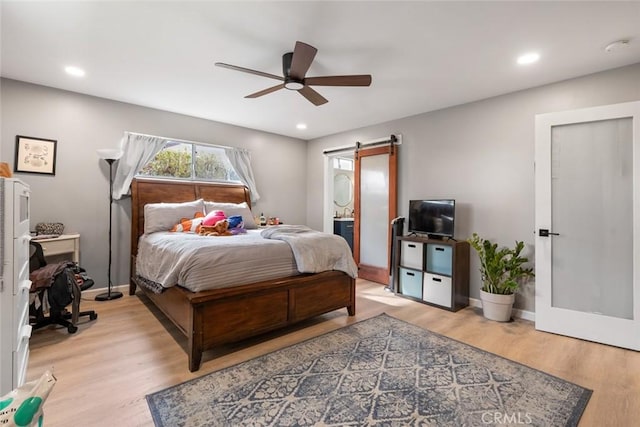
(588, 224)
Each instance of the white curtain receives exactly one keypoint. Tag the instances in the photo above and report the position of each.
(138, 150)
(241, 161)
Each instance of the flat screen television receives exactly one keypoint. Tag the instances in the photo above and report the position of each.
(432, 217)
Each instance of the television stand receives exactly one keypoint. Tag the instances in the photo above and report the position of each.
(432, 271)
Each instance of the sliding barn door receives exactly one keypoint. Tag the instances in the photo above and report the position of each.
(588, 224)
(375, 207)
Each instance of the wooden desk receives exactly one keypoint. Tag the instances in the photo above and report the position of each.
(63, 244)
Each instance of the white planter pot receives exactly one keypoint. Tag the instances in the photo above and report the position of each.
(497, 307)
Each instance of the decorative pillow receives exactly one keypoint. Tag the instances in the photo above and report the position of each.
(213, 217)
(163, 216)
(232, 209)
(187, 225)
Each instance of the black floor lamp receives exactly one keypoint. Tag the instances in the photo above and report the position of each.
(110, 155)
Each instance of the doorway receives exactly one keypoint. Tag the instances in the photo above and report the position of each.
(375, 169)
(342, 173)
(343, 188)
(588, 224)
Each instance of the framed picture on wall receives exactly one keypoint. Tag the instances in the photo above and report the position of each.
(35, 155)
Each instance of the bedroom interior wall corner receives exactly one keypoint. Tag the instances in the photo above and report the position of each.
(83, 123)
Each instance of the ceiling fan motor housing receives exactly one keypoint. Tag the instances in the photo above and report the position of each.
(289, 83)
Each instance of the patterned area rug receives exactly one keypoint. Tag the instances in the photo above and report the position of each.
(381, 371)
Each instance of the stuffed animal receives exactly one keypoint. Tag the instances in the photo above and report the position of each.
(187, 225)
(221, 228)
(235, 221)
(236, 224)
(213, 217)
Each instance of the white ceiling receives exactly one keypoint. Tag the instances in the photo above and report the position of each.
(423, 56)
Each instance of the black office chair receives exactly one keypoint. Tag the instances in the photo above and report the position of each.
(70, 275)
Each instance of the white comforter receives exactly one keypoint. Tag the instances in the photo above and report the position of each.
(315, 251)
(206, 262)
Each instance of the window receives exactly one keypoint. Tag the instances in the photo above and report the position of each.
(343, 163)
(191, 161)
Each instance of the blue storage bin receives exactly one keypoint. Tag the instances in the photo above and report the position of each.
(411, 282)
(439, 259)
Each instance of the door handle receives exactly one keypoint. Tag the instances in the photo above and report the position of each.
(543, 232)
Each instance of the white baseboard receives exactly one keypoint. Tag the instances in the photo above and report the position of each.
(522, 314)
(94, 291)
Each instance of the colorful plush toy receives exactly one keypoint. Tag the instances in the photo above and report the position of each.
(213, 217)
(221, 228)
(236, 224)
(187, 225)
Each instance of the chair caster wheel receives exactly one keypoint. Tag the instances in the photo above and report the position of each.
(93, 316)
(72, 329)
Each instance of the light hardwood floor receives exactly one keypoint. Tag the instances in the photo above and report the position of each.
(105, 370)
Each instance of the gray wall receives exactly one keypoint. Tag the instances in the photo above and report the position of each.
(78, 194)
(481, 154)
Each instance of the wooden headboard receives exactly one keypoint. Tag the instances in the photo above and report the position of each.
(151, 190)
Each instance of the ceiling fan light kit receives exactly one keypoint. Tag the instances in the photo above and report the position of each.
(294, 69)
(293, 85)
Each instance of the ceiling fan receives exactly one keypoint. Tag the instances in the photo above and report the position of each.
(294, 68)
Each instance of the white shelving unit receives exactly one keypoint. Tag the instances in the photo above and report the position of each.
(14, 283)
(435, 272)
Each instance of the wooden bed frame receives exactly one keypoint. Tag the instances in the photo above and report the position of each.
(214, 317)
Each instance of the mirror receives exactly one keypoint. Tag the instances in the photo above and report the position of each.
(342, 189)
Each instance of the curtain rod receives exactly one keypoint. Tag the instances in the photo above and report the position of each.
(392, 139)
(186, 141)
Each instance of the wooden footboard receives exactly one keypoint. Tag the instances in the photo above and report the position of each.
(211, 318)
(221, 316)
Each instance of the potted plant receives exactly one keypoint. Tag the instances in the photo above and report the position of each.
(502, 273)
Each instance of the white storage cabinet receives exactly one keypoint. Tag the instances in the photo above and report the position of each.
(14, 283)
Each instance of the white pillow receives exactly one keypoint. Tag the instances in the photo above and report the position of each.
(231, 209)
(163, 216)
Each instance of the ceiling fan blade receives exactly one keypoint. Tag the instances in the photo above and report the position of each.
(248, 70)
(314, 97)
(265, 91)
(303, 55)
(353, 80)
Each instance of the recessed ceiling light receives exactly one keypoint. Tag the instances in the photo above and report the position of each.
(528, 58)
(617, 45)
(301, 126)
(74, 71)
